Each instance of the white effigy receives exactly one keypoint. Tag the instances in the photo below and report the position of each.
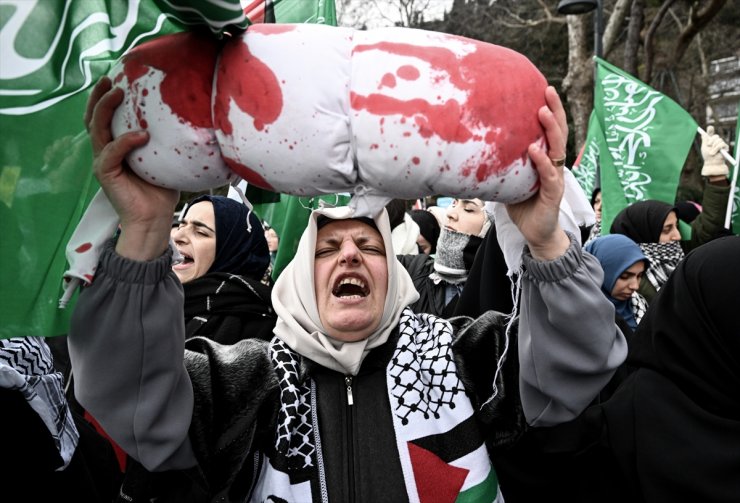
(312, 109)
(308, 109)
(167, 87)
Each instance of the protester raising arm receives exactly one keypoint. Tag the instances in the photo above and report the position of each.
(127, 339)
(563, 364)
(109, 347)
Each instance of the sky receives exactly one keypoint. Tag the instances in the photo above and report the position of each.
(379, 13)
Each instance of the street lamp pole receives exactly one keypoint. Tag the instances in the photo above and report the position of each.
(577, 7)
(598, 28)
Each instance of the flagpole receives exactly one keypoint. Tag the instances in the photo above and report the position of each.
(728, 215)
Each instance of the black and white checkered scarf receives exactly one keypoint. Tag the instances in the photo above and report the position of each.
(663, 257)
(26, 365)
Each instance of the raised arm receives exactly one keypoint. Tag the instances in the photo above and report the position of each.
(127, 333)
(569, 344)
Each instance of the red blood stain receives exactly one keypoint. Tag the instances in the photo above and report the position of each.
(186, 87)
(83, 247)
(408, 72)
(388, 80)
(250, 83)
(415, 160)
(247, 174)
(89, 277)
(271, 28)
(504, 91)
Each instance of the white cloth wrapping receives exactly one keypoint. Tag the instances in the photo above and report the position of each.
(309, 109)
(391, 112)
(575, 212)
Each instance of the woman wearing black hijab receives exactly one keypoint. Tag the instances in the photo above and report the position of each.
(674, 424)
(428, 231)
(225, 257)
(653, 225)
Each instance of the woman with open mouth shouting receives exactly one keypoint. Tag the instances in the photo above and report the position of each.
(356, 398)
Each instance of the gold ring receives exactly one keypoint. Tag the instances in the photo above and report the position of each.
(558, 163)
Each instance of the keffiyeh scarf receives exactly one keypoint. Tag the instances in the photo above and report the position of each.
(663, 257)
(26, 365)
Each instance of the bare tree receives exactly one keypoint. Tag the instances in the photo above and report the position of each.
(632, 44)
(647, 38)
(578, 82)
(383, 12)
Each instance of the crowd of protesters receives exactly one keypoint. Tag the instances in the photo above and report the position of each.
(395, 358)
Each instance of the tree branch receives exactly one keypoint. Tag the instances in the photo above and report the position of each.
(649, 51)
(613, 27)
(697, 21)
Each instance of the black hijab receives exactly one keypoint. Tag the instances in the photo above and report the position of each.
(239, 250)
(674, 425)
(428, 226)
(642, 221)
(692, 331)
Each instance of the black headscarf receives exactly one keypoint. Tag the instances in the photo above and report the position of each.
(594, 193)
(428, 226)
(642, 221)
(238, 250)
(687, 211)
(396, 210)
(674, 425)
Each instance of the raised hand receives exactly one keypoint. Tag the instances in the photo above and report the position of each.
(145, 210)
(537, 217)
(711, 146)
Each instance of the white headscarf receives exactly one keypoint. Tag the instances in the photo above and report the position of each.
(294, 300)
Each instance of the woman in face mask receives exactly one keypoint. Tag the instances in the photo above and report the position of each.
(440, 279)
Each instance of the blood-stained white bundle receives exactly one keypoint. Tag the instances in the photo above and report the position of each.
(312, 109)
(167, 87)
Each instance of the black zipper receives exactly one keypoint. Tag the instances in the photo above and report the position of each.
(350, 438)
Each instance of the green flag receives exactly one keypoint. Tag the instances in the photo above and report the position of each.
(586, 165)
(646, 138)
(735, 219)
(53, 52)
